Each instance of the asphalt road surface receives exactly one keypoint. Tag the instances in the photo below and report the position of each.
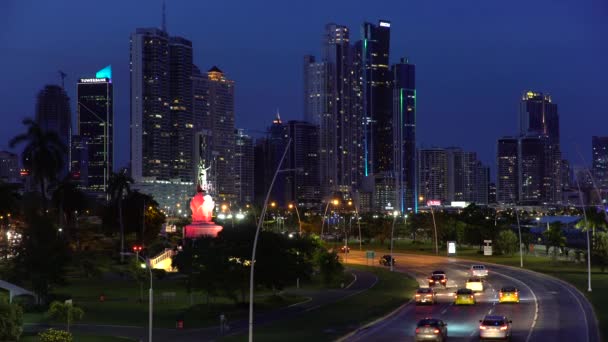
(549, 310)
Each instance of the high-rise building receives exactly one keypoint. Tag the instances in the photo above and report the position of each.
(376, 92)
(95, 123)
(181, 109)
(467, 177)
(507, 179)
(404, 131)
(150, 104)
(53, 113)
(599, 161)
(303, 182)
(432, 175)
(218, 98)
(491, 193)
(268, 152)
(566, 174)
(79, 161)
(315, 89)
(532, 161)
(243, 167)
(538, 116)
(9, 167)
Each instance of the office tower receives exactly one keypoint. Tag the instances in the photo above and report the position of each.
(481, 180)
(376, 92)
(404, 130)
(566, 175)
(384, 194)
(491, 192)
(267, 156)
(532, 163)
(467, 177)
(432, 175)
(243, 167)
(219, 103)
(150, 101)
(507, 179)
(538, 116)
(95, 129)
(315, 89)
(181, 109)
(9, 167)
(599, 161)
(79, 161)
(53, 113)
(303, 182)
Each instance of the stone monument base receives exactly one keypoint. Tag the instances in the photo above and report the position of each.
(198, 229)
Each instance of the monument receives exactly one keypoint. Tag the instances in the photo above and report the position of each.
(202, 206)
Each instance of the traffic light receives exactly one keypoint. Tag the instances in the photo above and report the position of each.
(137, 248)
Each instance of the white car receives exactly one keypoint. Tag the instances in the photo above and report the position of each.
(478, 271)
(474, 284)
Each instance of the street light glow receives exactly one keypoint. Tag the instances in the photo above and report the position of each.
(335, 202)
(240, 216)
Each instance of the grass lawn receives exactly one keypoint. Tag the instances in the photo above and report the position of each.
(574, 273)
(79, 338)
(332, 321)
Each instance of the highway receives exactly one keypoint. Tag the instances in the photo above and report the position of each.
(549, 310)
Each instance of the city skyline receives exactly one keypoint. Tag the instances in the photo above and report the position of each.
(469, 74)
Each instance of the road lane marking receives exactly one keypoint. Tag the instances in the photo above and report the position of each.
(352, 282)
(308, 299)
(581, 306)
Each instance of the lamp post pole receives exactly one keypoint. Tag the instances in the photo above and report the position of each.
(580, 195)
(395, 215)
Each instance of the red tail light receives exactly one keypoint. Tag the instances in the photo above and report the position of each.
(417, 295)
(430, 280)
(500, 294)
(429, 295)
(436, 331)
(482, 327)
(504, 327)
(443, 280)
(417, 330)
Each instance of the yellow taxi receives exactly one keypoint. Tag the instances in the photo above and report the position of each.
(464, 297)
(508, 294)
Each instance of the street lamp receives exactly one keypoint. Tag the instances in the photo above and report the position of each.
(335, 201)
(151, 293)
(580, 195)
(435, 227)
(395, 215)
(290, 206)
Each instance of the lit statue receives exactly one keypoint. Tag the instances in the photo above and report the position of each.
(202, 206)
(202, 176)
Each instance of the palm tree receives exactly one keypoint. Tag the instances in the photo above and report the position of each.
(69, 200)
(118, 185)
(44, 154)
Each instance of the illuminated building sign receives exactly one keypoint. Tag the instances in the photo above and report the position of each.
(451, 247)
(385, 24)
(431, 203)
(459, 204)
(93, 80)
(105, 72)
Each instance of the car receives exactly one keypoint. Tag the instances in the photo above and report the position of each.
(387, 260)
(438, 279)
(478, 271)
(495, 327)
(425, 295)
(508, 294)
(344, 249)
(464, 297)
(431, 329)
(474, 284)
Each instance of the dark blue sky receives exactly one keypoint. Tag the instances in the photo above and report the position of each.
(474, 58)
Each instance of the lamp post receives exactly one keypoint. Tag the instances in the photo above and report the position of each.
(151, 293)
(580, 195)
(255, 241)
(435, 227)
(395, 215)
(298, 215)
(521, 255)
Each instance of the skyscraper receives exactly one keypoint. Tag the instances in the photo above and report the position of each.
(53, 113)
(9, 167)
(303, 183)
(538, 115)
(181, 108)
(243, 167)
(150, 101)
(268, 152)
(377, 104)
(404, 131)
(599, 163)
(507, 179)
(315, 89)
(432, 174)
(95, 123)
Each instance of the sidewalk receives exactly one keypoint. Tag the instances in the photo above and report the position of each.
(363, 281)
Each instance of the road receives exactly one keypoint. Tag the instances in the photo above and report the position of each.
(549, 310)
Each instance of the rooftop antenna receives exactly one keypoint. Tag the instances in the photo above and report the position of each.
(164, 23)
(63, 75)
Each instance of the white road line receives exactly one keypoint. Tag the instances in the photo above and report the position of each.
(308, 299)
(352, 282)
(581, 306)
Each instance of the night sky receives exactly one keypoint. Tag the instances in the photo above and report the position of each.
(474, 58)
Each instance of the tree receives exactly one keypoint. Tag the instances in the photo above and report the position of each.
(44, 154)
(11, 321)
(554, 237)
(119, 184)
(329, 266)
(41, 258)
(506, 242)
(66, 312)
(600, 250)
(146, 228)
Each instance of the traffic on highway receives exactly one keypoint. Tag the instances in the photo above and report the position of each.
(481, 302)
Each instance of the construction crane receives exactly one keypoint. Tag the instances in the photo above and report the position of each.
(63, 75)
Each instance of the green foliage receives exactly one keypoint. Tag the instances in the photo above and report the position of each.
(135, 204)
(52, 335)
(65, 312)
(506, 242)
(554, 237)
(11, 321)
(41, 258)
(329, 265)
(600, 250)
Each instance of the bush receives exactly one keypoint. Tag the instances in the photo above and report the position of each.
(52, 335)
(506, 242)
(329, 265)
(11, 321)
